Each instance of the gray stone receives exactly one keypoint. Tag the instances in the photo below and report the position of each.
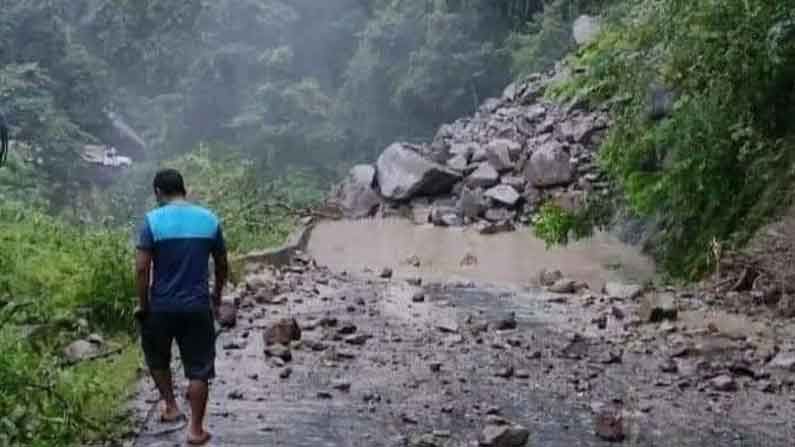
(547, 278)
(479, 155)
(355, 196)
(403, 173)
(495, 435)
(458, 162)
(501, 153)
(485, 176)
(499, 215)
(503, 194)
(622, 291)
(516, 182)
(586, 29)
(96, 339)
(80, 350)
(465, 150)
(549, 166)
(784, 360)
(490, 228)
(724, 383)
(563, 286)
(471, 203)
(279, 351)
(658, 306)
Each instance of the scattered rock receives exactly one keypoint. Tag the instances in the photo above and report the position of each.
(447, 326)
(235, 395)
(341, 386)
(724, 383)
(279, 351)
(505, 323)
(547, 278)
(505, 372)
(504, 435)
(227, 314)
(669, 366)
(622, 291)
(784, 360)
(418, 297)
(347, 328)
(282, 332)
(609, 426)
(563, 286)
(658, 306)
(386, 273)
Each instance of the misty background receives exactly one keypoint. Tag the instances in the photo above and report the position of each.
(292, 91)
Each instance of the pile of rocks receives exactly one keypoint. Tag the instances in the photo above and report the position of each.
(492, 169)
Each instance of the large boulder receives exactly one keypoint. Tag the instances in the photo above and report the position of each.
(586, 29)
(471, 203)
(503, 194)
(549, 166)
(485, 176)
(355, 196)
(403, 174)
(501, 153)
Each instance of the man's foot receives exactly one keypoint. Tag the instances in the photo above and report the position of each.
(170, 414)
(199, 439)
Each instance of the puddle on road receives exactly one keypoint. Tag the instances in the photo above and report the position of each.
(507, 258)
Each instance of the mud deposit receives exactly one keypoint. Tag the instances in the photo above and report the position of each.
(505, 258)
(383, 361)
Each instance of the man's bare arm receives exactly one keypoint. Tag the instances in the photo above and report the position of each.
(143, 273)
(221, 274)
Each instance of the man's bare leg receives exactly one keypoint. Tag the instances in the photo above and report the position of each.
(198, 391)
(165, 386)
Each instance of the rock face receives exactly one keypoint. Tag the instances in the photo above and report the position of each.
(491, 169)
(403, 173)
(355, 196)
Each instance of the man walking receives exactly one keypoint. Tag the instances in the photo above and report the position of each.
(175, 243)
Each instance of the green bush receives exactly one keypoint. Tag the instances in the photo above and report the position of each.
(721, 164)
(52, 275)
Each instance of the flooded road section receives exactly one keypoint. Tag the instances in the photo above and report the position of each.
(420, 362)
(445, 253)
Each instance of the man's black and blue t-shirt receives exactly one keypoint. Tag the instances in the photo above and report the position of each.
(181, 237)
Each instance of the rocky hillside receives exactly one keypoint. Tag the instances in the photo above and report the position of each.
(490, 170)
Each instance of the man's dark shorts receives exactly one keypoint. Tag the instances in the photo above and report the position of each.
(195, 335)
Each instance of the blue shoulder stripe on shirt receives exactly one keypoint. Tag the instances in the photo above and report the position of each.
(182, 221)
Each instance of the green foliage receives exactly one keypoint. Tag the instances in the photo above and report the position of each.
(51, 275)
(547, 37)
(721, 163)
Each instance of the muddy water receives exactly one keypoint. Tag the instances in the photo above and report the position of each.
(513, 258)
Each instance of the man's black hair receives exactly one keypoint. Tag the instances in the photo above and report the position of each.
(169, 182)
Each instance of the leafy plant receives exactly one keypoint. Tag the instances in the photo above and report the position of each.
(720, 164)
